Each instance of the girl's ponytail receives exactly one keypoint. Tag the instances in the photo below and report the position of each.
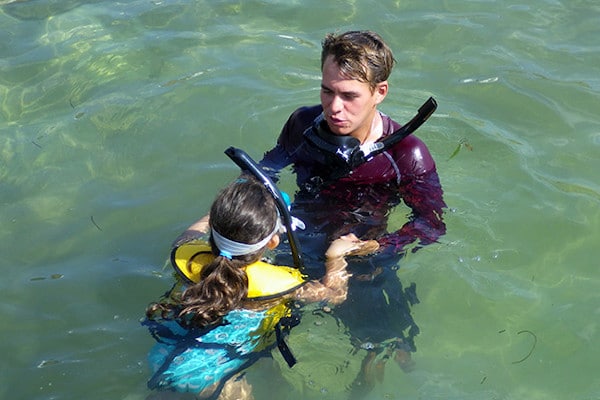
(244, 213)
(222, 287)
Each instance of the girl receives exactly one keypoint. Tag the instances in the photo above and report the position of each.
(236, 305)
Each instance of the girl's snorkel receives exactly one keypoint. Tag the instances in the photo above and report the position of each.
(246, 163)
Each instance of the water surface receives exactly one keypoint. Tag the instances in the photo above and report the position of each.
(113, 121)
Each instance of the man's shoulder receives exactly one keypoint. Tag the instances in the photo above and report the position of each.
(306, 114)
(413, 156)
(411, 153)
(297, 123)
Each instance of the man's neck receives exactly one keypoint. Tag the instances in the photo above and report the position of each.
(375, 130)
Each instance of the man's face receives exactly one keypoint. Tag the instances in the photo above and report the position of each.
(349, 105)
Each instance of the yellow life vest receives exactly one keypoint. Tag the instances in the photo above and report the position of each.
(265, 280)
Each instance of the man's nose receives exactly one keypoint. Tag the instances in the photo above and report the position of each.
(336, 105)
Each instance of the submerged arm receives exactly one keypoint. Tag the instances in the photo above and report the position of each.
(333, 287)
(424, 195)
(194, 231)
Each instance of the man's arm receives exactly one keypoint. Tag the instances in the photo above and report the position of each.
(278, 157)
(424, 195)
(420, 190)
(289, 141)
(274, 161)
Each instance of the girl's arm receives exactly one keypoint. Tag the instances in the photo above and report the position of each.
(333, 287)
(194, 231)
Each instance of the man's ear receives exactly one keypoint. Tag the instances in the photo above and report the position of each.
(381, 91)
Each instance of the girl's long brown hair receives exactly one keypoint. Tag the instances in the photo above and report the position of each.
(244, 212)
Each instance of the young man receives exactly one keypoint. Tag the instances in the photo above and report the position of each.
(339, 196)
(355, 68)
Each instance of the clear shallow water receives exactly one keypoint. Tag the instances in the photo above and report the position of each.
(113, 120)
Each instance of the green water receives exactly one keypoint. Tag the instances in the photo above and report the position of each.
(113, 121)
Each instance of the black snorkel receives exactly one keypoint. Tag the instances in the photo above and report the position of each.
(344, 153)
(247, 164)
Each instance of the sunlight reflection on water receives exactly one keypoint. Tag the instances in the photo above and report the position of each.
(113, 122)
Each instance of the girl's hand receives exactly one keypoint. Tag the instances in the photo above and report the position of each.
(350, 245)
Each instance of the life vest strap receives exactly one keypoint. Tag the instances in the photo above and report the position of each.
(281, 329)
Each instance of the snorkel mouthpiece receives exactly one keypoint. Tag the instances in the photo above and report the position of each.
(344, 146)
(345, 153)
(340, 153)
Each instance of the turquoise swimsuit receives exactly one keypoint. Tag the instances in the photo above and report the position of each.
(193, 360)
(187, 361)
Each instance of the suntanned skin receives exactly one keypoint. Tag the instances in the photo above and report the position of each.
(333, 286)
(360, 201)
(350, 106)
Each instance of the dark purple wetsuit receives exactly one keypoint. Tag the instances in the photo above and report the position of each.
(404, 172)
(360, 203)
